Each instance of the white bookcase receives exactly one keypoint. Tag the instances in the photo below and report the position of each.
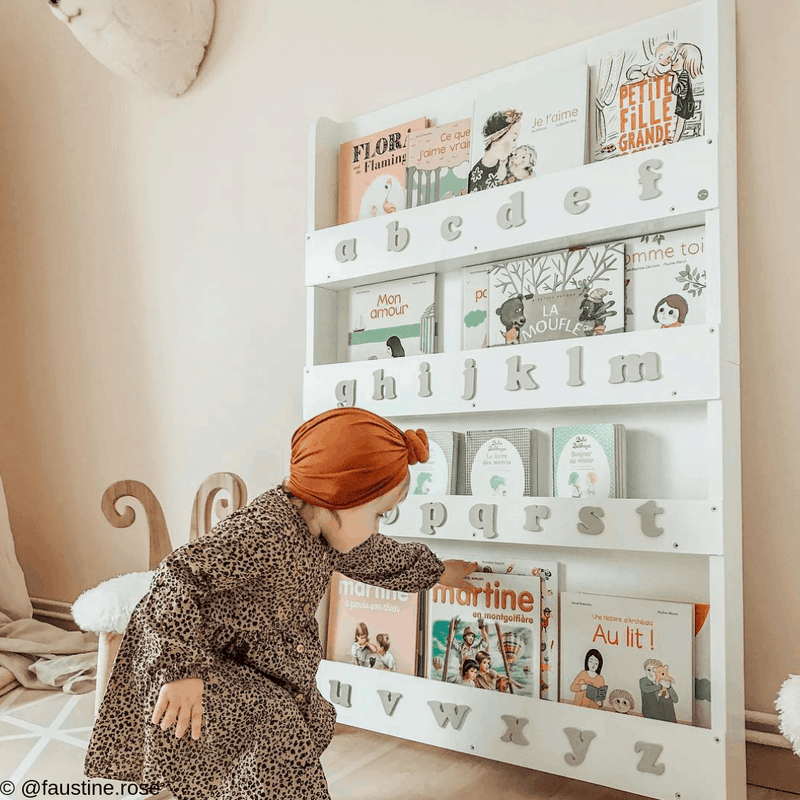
(682, 422)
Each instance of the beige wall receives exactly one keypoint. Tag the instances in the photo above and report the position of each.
(152, 310)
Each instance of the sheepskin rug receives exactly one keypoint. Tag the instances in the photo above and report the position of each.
(788, 705)
(107, 608)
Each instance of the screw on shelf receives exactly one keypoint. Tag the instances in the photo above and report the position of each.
(672, 208)
(674, 394)
(717, 739)
(308, 238)
(712, 330)
(678, 795)
(472, 747)
(702, 194)
(675, 545)
(713, 508)
(709, 140)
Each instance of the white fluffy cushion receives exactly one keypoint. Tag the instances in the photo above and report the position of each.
(108, 607)
(788, 705)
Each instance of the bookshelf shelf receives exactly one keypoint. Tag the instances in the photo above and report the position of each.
(678, 396)
(688, 756)
(686, 368)
(689, 526)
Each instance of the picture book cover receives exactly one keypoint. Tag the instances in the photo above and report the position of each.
(627, 656)
(475, 325)
(530, 123)
(548, 573)
(372, 173)
(589, 460)
(502, 462)
(372, 627)
(565, 294)
(440, 474)
(392, 319)
(648, 85)
(488, 636)
(437, 163)
(665, 280)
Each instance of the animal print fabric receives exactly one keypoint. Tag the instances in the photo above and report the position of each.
(236, 608)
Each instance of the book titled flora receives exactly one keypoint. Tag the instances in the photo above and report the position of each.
(665, 280)
(589, 460)
(530, 123)
(548, 574)
(372, 173)
(372, 627)
(502, 463)
(627, 656)
(648, 84)
(392, 319)
(560, 295)
(440, 474)
(437, 163)
(486, 636)
(475, 327)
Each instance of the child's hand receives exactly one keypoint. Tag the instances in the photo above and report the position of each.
(455, 572)
(182, 701)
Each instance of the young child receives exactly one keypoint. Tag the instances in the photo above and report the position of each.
(384, 656)
(226, 645)
(362, 647)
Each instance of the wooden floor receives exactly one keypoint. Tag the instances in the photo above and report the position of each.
(364, 765)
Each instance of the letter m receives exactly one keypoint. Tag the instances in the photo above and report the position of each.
(634, 367)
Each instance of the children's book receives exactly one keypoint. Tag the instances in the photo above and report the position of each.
(372, 173)
(488, 636)
(665, 280)
(560, 295)
(589, 461)
(372, 627)
(440, 474)
(627, 655)
(437, 163)
(502, 462)
(648, 84)
(530, 123)
(392, 319)
(548, 573)
(475, 323)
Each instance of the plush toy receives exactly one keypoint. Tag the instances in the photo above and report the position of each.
(788, 706)
(158, 43)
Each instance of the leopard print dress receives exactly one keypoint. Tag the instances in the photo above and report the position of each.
(237, 609)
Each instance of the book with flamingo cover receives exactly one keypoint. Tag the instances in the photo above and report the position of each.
(372, 172)
(488, 636)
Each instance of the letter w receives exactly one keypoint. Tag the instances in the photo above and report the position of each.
(449, 712)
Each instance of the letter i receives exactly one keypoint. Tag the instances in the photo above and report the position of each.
(424, 380)
(470, 379)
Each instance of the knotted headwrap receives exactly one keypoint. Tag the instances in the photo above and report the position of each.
(346, 457)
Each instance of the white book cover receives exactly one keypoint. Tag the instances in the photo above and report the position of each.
(501, 462)
(665, 280)
(474, 316)
(548, 573)
(392, 319)
(587, 461)
(488, 636)
(564, 294)
(440, 473)
(627, 655)
(648, 84)
(530, 123)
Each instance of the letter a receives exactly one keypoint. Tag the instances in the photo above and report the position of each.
(346, 251)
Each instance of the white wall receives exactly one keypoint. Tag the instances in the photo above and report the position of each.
(152, 310)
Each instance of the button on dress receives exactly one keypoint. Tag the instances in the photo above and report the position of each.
(236, 608)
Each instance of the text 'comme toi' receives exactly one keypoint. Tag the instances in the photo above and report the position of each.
(510, 215)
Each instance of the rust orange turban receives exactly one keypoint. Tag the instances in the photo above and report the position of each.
(348, 456)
